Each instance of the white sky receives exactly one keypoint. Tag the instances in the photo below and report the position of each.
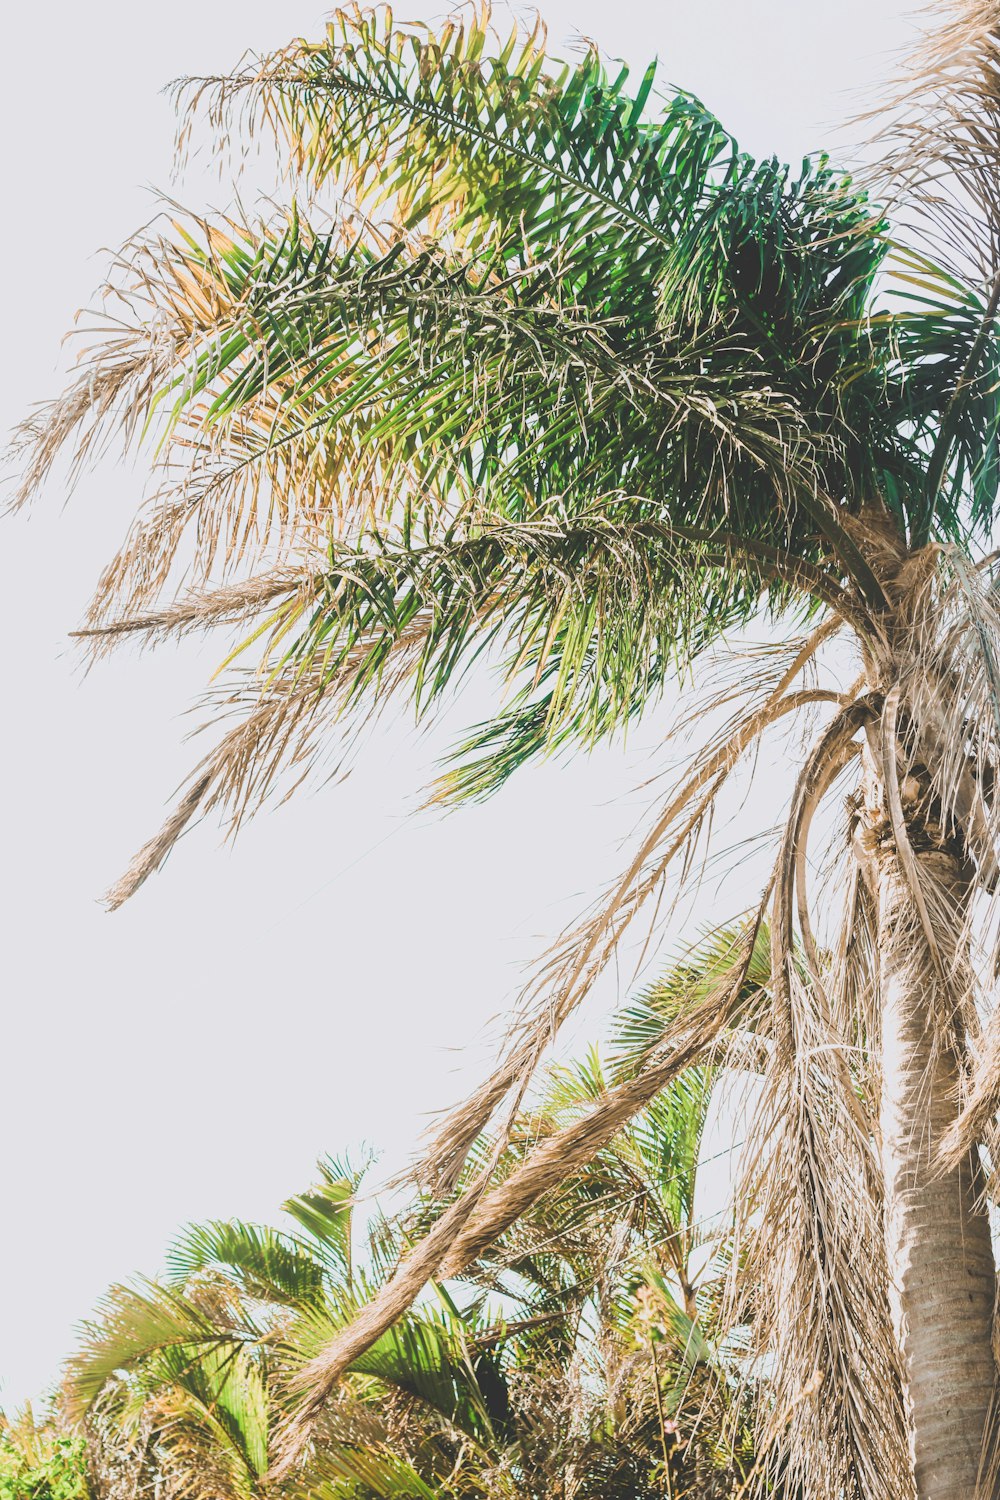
(331, 978)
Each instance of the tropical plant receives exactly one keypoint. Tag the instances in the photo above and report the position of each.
(576, 1358)
(42, 1458)
(545, 370)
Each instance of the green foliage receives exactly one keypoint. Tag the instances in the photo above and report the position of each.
(41, 1461)
(583, 1340)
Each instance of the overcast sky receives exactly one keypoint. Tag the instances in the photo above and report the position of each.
(333, 977)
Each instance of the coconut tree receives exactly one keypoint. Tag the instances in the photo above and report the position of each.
(540, 370)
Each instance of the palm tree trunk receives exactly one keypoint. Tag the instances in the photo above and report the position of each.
(940, 1258)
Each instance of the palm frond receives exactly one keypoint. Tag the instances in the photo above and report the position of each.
(670, 840)
(476, 1217)
(267, 1266)
(135, 1320)
(939, 134)
(641, 1023)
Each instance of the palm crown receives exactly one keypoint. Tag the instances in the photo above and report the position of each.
(592, 389)
(546, 370)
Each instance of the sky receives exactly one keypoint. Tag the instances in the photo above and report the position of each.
(335, 975)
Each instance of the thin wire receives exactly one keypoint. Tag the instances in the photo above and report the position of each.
(333, 879)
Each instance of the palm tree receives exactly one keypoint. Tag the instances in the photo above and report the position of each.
(578, 1357)
(179, 1382)
(547, 370)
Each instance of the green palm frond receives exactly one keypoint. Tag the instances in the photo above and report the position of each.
(648, 1170)
(266, 1265)
(641, 1023)
(216, 1405)
(347, 1472)
(134, 1322)
(326, 1212)
(667, 1137)
(585, 398)
(429, 1355)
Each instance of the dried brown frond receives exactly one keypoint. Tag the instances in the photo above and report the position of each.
(939, 137)
(812, 1281)
(282, 732)
(479, 1215)
(201, 609)
(809, 1272)
(981, 1099)
(582, 954)
(113, 392)
(690, 1039)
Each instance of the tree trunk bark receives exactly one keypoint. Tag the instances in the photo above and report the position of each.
(940, 1257)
